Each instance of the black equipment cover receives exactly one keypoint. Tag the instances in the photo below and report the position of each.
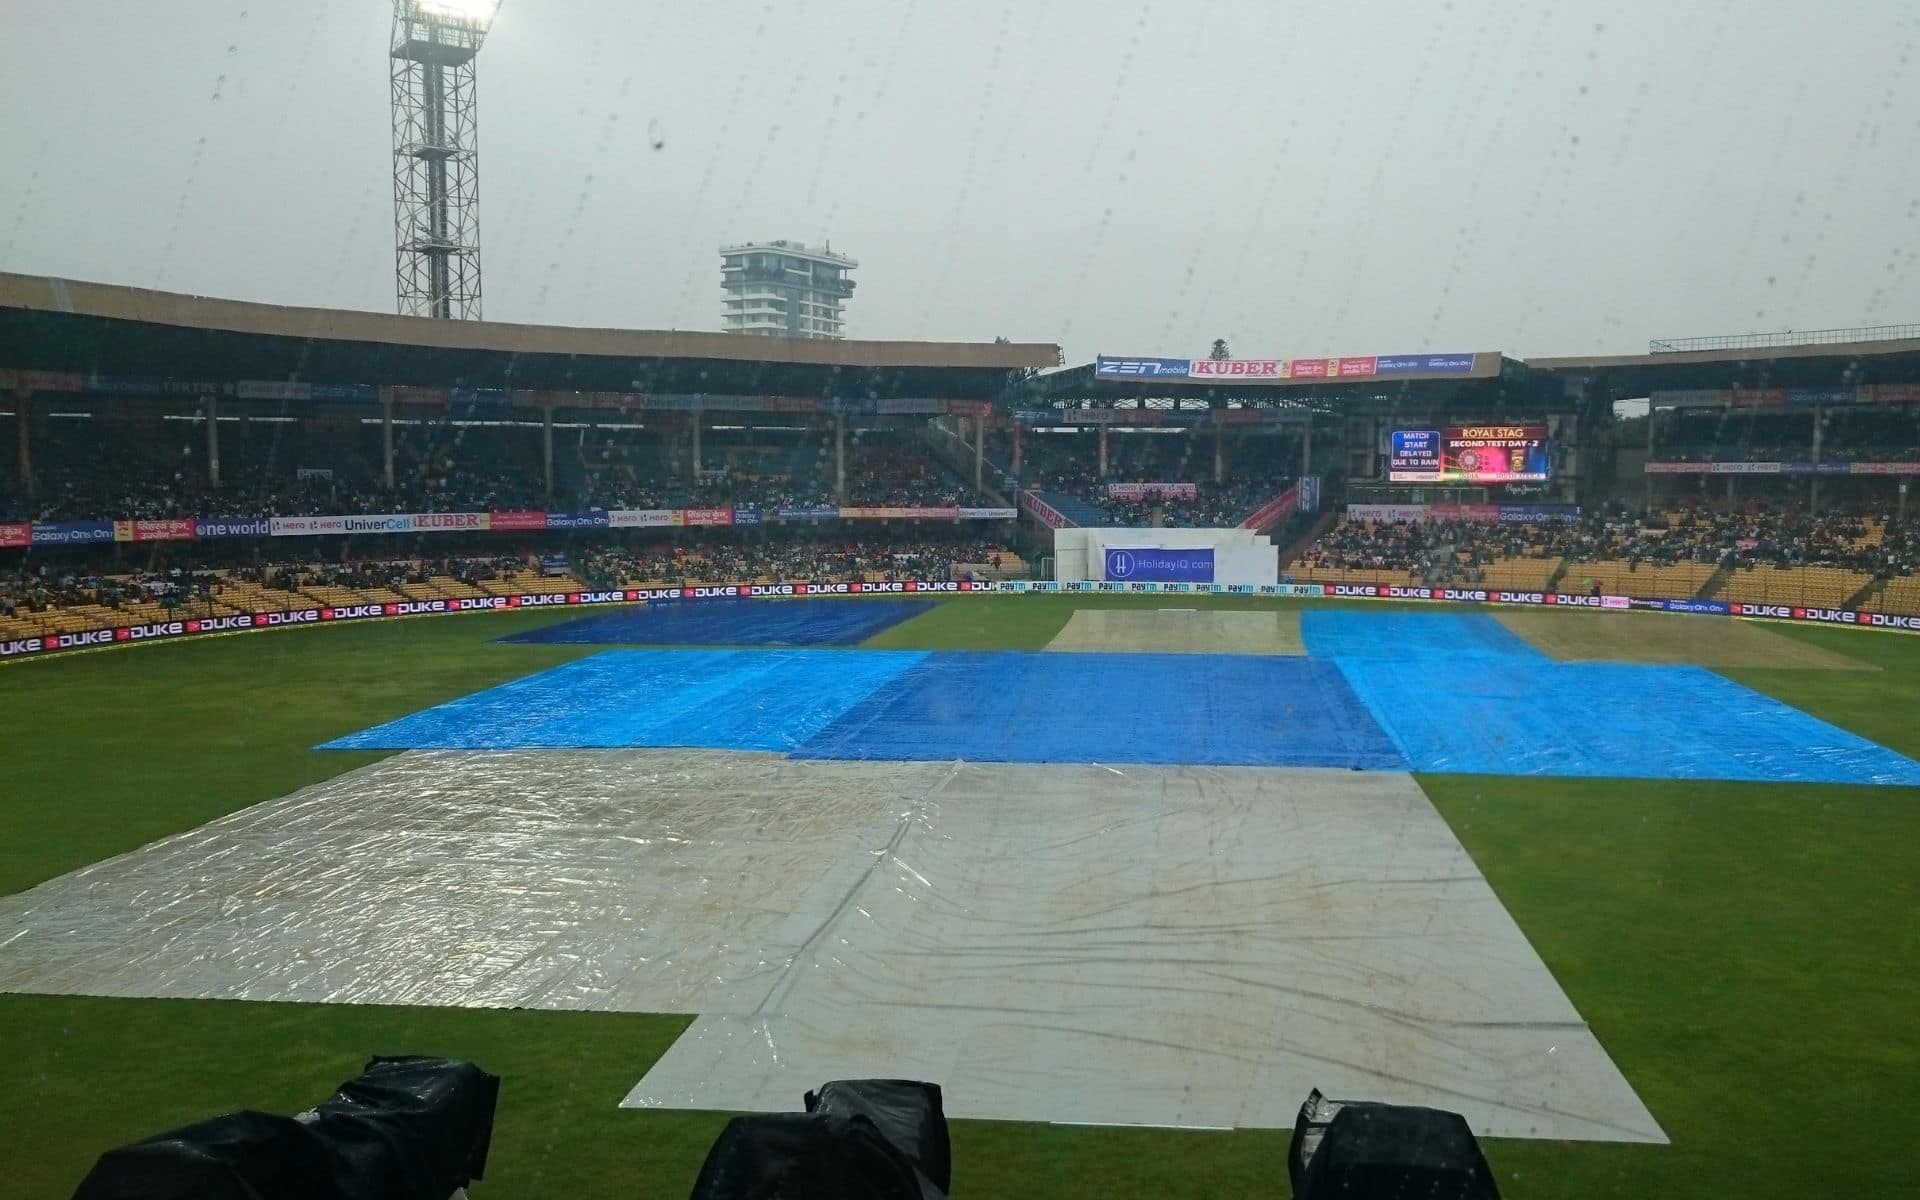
(908, 1112)
(405, 1129)
(1370, 1151)
(240, 1156)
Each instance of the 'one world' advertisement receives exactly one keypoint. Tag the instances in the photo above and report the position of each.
(232, 527)
(1159, 564)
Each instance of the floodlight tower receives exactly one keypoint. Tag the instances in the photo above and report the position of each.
(436, 169)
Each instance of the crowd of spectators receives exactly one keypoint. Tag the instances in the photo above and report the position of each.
(45, 586)
(1890, 434)
(1070, 466)
(785, 559)
(1785, 452)
(375, 574)
(1440, 551)
(142, 489)
(898, 478)
(133, 493)
(940, 556)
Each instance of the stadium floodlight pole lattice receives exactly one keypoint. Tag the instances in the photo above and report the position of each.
(436, 170)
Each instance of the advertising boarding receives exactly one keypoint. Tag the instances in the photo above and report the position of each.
(1272, 370)
(1140, 491)
(1159, 564)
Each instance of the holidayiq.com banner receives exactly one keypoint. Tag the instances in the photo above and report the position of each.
(1159, 564)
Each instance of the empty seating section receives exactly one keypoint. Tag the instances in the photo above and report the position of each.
(1519, 574)
(1616, 577)
(1820, 587)
(1899, 596)
(526, 583)
(1379, 577)
(1073, 508)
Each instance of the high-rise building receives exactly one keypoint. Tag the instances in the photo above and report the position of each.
(784, 289)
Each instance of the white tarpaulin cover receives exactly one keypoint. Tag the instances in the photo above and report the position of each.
(1163, 945)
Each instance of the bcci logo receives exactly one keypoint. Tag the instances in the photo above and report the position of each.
(1120, 564)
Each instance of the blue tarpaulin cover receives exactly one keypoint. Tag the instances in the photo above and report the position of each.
(1385, 691)
(722, 699)
(1609, 720)
(912, 705)
(1200, 709)
(1460, 693)
(1410, 636)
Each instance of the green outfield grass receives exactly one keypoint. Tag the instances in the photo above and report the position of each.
(1745, 952)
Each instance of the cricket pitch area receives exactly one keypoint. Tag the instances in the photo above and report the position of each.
(1174, 870)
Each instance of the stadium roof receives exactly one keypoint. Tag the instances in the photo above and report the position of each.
(52, 324)
(1812, 365)
(1881, 361)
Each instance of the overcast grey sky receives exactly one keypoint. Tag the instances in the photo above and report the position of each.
(1333, 176)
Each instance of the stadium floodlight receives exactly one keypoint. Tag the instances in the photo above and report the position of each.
(476, 13)
(436, 170)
